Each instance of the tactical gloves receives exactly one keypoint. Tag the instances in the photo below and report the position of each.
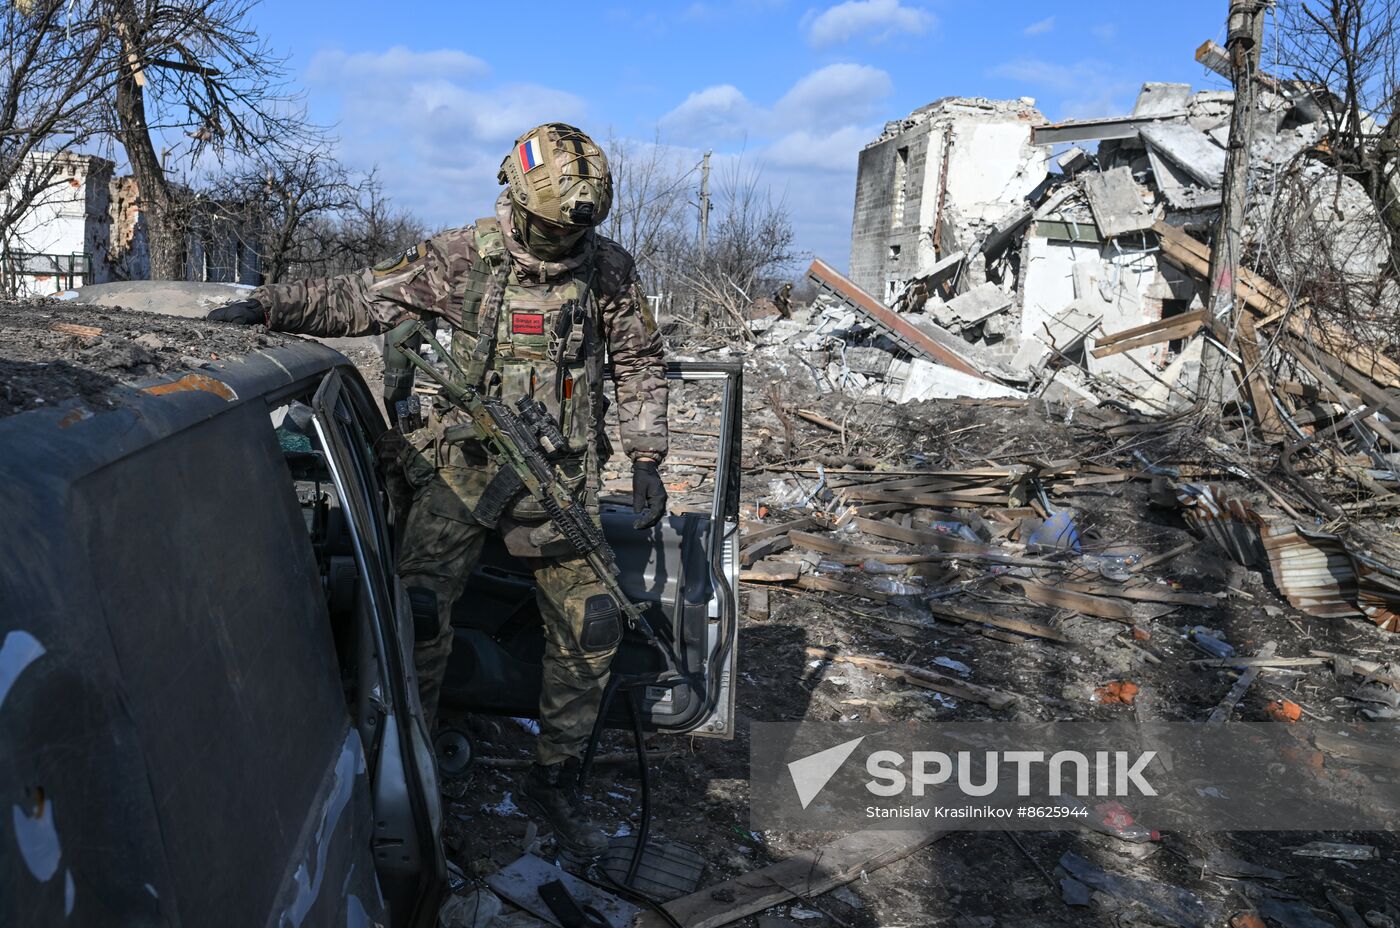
(648, 494)
(241, 312)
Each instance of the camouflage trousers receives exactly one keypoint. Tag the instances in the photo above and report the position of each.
(440, 547)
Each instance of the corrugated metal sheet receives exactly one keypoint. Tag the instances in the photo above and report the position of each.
(1378, 592)
(1230, 523)
(1314, 570)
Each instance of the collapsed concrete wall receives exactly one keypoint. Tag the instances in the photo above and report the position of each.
(964, 231)
(935, 182)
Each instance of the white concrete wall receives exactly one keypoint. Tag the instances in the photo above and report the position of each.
(68, 218)
(1049, 280)
(993, 167)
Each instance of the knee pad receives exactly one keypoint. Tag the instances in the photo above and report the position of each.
(602, 623)
(423, 603)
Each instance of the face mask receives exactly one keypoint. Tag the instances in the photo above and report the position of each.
(545, 241)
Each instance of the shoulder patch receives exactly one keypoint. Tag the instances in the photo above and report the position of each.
(398, 262)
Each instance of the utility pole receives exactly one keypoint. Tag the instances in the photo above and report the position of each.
(705, 205)
(1244, 40)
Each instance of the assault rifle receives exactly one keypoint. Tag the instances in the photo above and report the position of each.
(527, 444)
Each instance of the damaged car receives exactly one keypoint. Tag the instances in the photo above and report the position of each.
(208, 713)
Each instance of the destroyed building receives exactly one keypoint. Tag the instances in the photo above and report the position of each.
(1067, 260)
(87, 227)
(935, 181)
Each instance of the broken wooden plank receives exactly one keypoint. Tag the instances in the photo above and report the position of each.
(85, 332)
(1162, 558)
(828, 544)
(920, 677)
(765, 532)
(913, 536)
(1070, 599)
(1265, 662)
(802, 876)
(967, 616)
(1256, 378)
(901, 330)
(1361, 752)
(1221, 713)
(757, 552)
(1265, 299)
(806, 415)
(1142, 594)
(1173, 327)
(830, 585)
(772, 572)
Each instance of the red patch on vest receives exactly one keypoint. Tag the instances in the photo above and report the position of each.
(527, 323)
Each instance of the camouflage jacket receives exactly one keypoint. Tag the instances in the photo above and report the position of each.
(434, 279)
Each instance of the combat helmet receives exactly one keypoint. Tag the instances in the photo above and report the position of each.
(559, 175)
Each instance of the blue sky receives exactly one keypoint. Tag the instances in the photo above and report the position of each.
(434, 92)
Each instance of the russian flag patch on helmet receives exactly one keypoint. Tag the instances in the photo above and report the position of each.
(529, 152)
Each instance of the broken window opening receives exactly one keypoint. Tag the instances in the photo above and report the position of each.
(901, 179)
(1175, 308)
(894, 252)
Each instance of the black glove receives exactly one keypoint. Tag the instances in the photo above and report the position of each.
(648, 494)
(242, 312)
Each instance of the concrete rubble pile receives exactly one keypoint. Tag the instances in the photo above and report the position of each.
(1067, 261)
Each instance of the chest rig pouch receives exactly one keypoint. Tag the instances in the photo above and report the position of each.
(541, 339)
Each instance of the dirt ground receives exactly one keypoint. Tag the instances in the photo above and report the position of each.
(985, 879)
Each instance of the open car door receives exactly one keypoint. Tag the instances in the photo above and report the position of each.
(407, 813)
(683, 572)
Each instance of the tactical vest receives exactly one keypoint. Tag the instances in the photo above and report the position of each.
(542, 340)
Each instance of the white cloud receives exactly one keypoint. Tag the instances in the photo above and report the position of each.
(397, 63)
(1041, 27)
(806, 143)
(1105, 32)
(876, 20)
(1086, 89)
(434, 123)
(1062, 77)
(833, 152)
(718, 112)
(833, 96)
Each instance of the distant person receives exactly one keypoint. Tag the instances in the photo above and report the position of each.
(782, 298)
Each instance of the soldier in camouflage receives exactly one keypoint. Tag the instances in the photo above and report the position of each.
(535, 299)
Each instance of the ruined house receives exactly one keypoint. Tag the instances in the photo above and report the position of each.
(994, 253)
(87, 228)
(935, 182)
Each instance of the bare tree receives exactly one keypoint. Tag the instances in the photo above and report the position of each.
(751, 249)
(194, 69)
(276, 207)
(51, 72)
(310, 217)
(373, 230)
(1346, 53)
(650, 204)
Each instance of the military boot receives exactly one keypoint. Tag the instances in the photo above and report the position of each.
(552, 793)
